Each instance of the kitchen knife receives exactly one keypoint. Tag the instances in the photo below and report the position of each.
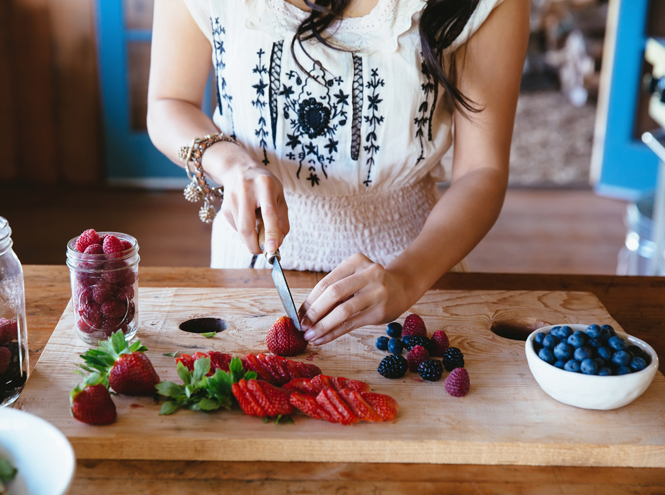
(278, 275)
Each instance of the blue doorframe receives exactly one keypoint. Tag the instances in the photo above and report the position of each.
(130, 157)
(628, 168)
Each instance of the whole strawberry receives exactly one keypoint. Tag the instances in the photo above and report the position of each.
(91, 402)
(86, 239)
(458, 383)
(418, 354)
(414, 325)
(284, 339)
(128, 369)
(440, 343)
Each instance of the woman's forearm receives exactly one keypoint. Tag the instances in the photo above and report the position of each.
(459, 220)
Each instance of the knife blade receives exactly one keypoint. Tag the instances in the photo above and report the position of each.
(278, 275)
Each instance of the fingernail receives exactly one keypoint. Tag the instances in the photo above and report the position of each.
(271, 246)
(309, 334)
(305, 323)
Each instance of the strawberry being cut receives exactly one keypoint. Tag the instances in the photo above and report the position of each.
(277, 370)
(284, 339)
(260, 398)
(319, 382)
(346, 406)
(128, 369)
(91, 402)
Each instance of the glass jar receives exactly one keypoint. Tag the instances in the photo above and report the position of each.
(14, 365)
(104, 290)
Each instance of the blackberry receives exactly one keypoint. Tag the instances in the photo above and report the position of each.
(431, 370)
(393, 366)
(453, 358)
(410, 341)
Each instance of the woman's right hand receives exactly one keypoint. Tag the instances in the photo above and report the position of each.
(248, 186)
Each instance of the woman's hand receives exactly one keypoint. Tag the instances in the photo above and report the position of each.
(248, 185)
(358, 292)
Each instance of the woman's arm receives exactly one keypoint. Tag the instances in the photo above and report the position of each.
(360, 292)
(179, 68)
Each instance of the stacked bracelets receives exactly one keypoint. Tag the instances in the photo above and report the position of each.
(199, 189)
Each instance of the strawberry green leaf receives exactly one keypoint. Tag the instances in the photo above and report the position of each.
(169, 407)
(136, 346)
(7, 471)
(209, 404)
(184, 374)
(236, 369)
(284, 420)
(171, 354)
(209, 335)
(169, 389)
(201, 368)
(250, 375)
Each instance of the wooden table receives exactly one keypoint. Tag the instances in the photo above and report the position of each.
(635, 302)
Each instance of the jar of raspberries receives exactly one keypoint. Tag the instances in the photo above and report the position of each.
(103, 269)
(14, 366)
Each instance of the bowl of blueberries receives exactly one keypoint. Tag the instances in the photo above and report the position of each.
(590, 366)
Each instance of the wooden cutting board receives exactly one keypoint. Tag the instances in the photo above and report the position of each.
(505, 419)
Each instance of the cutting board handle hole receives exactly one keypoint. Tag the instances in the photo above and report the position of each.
(203, 325)
(516, 329)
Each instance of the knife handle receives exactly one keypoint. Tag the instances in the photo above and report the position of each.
(260, 227)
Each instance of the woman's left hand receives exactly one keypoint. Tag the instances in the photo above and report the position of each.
(358, 292)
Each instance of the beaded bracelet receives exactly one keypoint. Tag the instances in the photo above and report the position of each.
(199, 189)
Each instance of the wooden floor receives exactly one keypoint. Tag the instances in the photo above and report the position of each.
(539, 230)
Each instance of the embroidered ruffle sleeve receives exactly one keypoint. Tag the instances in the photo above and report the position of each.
(358, 150)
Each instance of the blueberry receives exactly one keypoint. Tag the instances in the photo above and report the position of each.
(560, 364)
(582, 353)
(621, 358)
(605, 353)
(394, 329)
(578, 339)
(565, 332)
(572, 365)
(638, 364)
(550, 342)
(593, 331)
(395, 346)
(589, 366)
(617, 343)
(563, 351)
(546, 355)
(595, 343)
(605, 371)
(609, 329)
(538, 339)
(555, 331)
(382, 343)
(624, 370)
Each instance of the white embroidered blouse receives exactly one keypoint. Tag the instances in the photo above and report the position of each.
(359, 152)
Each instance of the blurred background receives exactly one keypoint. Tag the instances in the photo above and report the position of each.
(76, 155)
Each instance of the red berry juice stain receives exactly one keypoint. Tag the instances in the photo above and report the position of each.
(311, 356)
(135, 406)
(417, 379)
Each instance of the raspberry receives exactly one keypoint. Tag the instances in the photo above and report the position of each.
(5, 359)
(113, 309)
(131, 311)
(440, 343)
(129, 279)
(412, 340)
(417, 355)
(85, 239)
(414, 325)
(102, 292)
(111, 325)
(8, 330)
(129, 292)
(94, 249)
(84, 327)
(431, 370)
(458, 383)
(453, 358)
(112, 244)
(393, 366)
(126, 245)
(115, 272)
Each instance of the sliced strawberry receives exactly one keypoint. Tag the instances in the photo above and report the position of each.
(357, 385)
(187, 361)
(277, 370)
(198, 355)
(219, 361)
(255, 364)
(306, 370)
(319, 382)
(359, 406)
(384, 405)
(331, 401)
(260, 398)
(303, 385)
(307, 403)
(245, 399)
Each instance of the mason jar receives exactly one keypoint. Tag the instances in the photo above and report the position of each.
(14, 365)
(104, 290)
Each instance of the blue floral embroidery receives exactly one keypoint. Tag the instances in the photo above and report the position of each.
(314, 120)
(356, 120)
(275, 76)
(218, 57)
(261, 131)
(374, 120)
(423, 118)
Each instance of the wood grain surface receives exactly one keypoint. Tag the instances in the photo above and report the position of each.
(505, 419)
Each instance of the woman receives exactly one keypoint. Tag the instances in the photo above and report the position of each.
(342, 114)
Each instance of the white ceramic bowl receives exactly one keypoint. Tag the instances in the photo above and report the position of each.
(41, 453)
(590, 391)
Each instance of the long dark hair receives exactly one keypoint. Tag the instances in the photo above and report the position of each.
(441, 22)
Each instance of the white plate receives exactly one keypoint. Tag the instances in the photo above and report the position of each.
(41, 453)
(590, 391)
